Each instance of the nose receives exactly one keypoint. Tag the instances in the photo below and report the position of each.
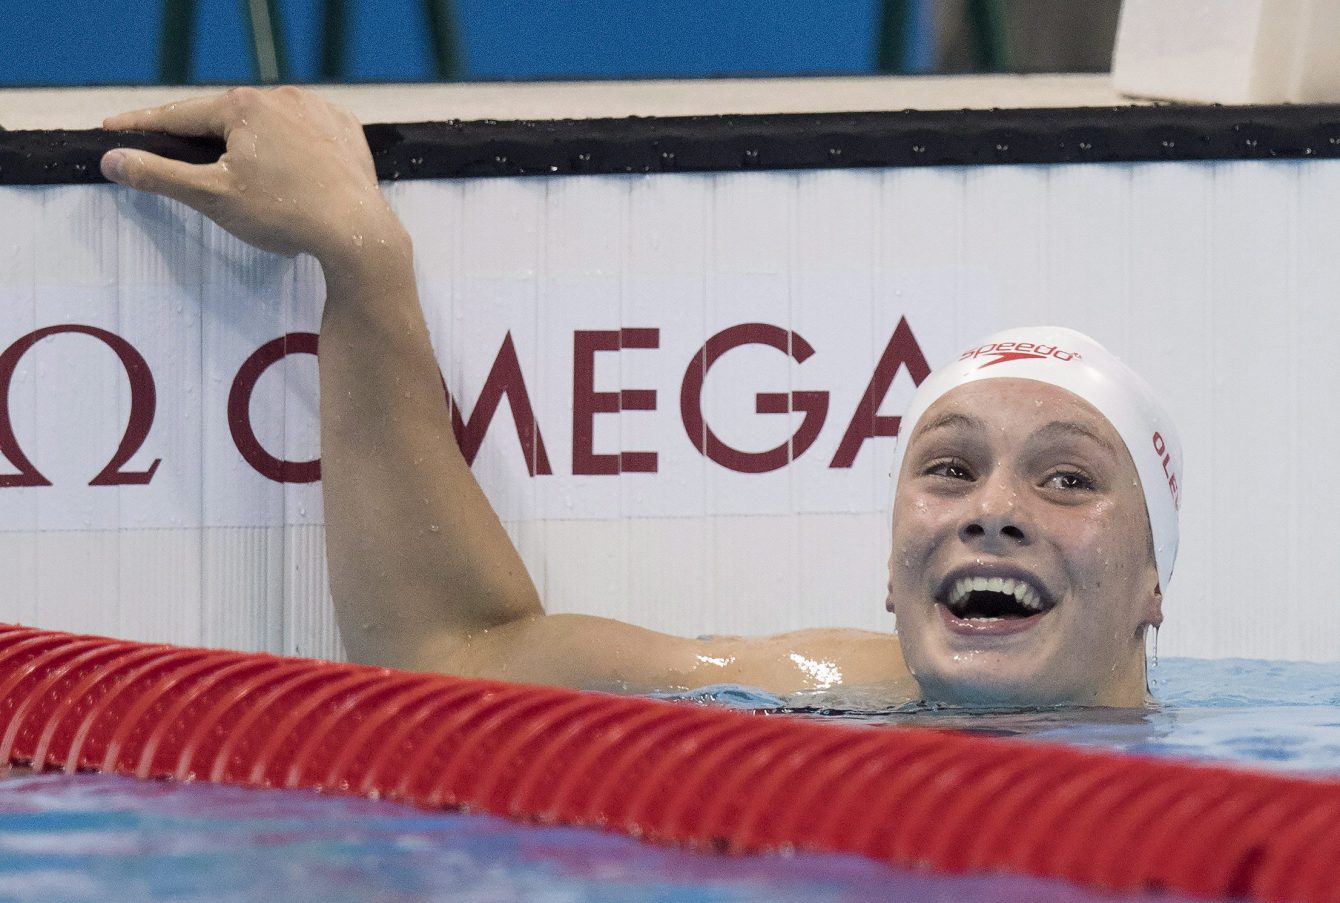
(995, 518)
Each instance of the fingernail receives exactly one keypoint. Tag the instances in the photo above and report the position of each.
(114, 165)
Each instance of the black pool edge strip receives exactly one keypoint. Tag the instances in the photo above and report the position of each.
(475, 149)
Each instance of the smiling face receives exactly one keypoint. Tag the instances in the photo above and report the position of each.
(1022, 570)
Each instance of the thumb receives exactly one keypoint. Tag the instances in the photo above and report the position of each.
(192, 184)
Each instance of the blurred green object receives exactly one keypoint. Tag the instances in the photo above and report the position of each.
(442, 37)
(267, 42)
(176, 34)
(985, 21)
(176, 40)
(445, 40)
(334, 61)
(986, 26)
(892, 35)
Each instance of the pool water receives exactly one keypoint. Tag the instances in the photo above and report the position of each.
(107, 839)
(104, 838)
(1282, 716)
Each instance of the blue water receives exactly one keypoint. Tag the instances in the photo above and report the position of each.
(100, 838)
(106, 839)
(1281, 716)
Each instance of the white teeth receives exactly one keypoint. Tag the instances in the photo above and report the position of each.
(1023, 592)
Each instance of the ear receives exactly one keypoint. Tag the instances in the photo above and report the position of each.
(1153, 606)
(888, 598)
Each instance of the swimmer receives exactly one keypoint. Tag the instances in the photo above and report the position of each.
(1034, 516)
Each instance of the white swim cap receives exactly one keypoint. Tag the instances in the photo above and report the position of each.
(1078, 364)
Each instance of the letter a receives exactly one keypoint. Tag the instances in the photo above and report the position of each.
(867, 422)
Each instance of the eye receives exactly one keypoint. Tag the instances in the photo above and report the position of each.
(952, 468)
(1068, 479)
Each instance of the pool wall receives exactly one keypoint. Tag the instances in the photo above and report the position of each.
(619, 319)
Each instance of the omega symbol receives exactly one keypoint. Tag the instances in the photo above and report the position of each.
(143, 401)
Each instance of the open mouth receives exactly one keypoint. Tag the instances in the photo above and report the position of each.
(994, 604)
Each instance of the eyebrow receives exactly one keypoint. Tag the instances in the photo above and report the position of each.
(951, 419)
(1056, 429)
(1067, 428)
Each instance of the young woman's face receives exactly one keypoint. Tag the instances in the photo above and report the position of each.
(1022, 570)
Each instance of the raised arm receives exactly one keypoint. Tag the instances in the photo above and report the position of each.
(421, 571)
(418, 560)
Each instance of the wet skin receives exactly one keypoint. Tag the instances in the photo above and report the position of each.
(1019, 479)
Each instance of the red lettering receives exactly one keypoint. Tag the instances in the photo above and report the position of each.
(504, 379)
(239, 410)
(867, 422)
(1161, 448)
(143, 401)
(587, 402)
(813, 404)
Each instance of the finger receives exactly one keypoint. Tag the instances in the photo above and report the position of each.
(196, 117)
(192, 184)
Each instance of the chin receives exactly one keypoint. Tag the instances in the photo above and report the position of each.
(960, 683)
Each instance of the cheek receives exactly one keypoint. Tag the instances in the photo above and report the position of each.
(1106, 545)
(918, 527)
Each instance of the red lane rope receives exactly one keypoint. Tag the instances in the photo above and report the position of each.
(707, 778)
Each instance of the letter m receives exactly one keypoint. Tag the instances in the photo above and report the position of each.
(504, 380)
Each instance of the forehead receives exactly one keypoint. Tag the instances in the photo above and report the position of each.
(1017, 407)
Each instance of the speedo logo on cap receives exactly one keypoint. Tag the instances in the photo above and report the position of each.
(1003, 352)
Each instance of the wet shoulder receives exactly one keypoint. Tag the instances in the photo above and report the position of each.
(822, 658)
